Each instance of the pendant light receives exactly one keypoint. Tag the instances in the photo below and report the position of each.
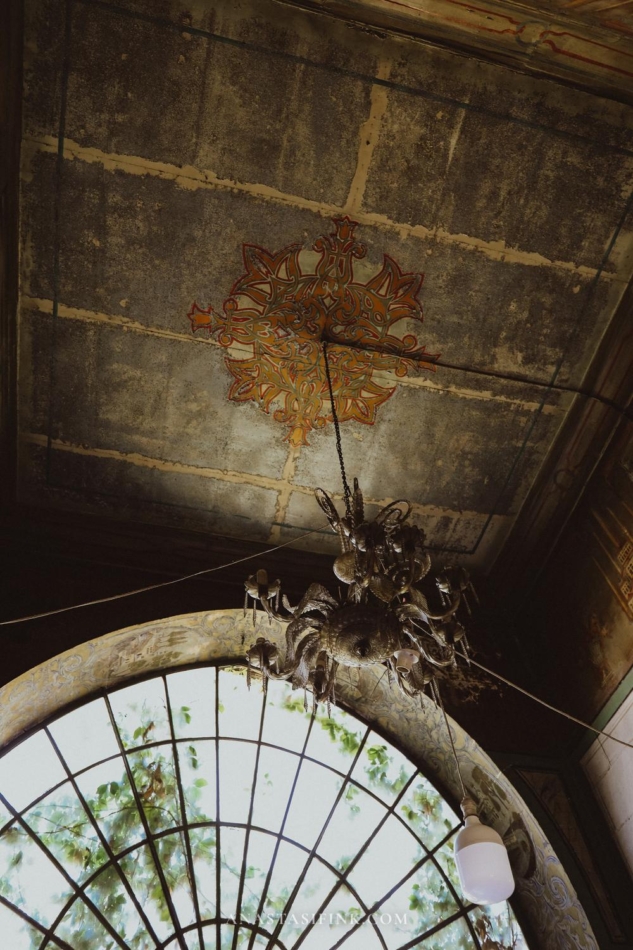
(481, 857)
(482, 861)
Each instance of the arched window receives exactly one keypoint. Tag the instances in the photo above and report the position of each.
(188, 812)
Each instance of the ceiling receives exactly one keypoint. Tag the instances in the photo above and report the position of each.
(488, 147)
(159, 139)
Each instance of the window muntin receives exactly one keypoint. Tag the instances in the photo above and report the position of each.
(129, 821)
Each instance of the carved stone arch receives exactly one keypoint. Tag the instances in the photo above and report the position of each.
(544, 893)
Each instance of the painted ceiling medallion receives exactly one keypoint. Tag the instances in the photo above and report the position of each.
(280, 311)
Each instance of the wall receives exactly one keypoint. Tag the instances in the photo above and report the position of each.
(579, 614)
(609, 768)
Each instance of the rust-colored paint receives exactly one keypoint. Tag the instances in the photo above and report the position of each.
(283, 313)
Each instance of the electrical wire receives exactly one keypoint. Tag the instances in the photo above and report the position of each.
(431, 362)
(549, 706)
(175, 580)
(277, 547)
(470, 661)
(450, 736)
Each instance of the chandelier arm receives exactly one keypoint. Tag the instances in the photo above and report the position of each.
(317, 597)
(441, 664)
(294, 631)
(272, 674)
(307, 651)
(271, 612)
(415, 612)
(448, 613)
(392, 515)
(327, 505)
(412, 612)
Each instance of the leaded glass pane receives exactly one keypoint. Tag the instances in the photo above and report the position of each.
(426, 812)
(363, 938)
(313, 892)
(109, 894)
(18, 934)
(277, 770)
(277, 721)
(192, 941)
(226, 937)
(354, 846)
(335, 739)
(109, 796)
(382, 769)
(309, 811)
(197, 761)
(172, 858)
(455, 936)
(154, 774)
(334, 921)
(287, 870)
(391, 855)
(192, 700)
(353, 823)
(237, 767)
(5, 815)
(416, 906)
(140, 713)
(82, 930)
(204, 850)
(240, 709)
(28, 877)
(140, 869)
(232, 842)
(446, 859)
(85, 736)
(62, 824)
(29, 770)
(259, 857)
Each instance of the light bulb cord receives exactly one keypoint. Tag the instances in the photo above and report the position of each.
(450, 736)
(175, 580)
(549, 706)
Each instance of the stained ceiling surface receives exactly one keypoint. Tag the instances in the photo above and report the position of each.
(615, 15)
(161, 138)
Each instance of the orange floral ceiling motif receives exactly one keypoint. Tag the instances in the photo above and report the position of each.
(280, 312)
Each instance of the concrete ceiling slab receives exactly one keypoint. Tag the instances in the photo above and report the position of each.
(158, 142)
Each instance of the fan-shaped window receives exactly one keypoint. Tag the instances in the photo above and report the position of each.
(188, 812)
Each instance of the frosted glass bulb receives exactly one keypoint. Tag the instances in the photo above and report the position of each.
(482, 863)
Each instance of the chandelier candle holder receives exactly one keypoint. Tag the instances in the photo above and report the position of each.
(388, 611)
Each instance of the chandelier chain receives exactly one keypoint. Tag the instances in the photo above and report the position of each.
(347, 494)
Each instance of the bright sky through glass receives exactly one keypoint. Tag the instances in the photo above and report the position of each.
(191, 813)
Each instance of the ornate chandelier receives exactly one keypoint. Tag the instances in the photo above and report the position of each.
(390, 610)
